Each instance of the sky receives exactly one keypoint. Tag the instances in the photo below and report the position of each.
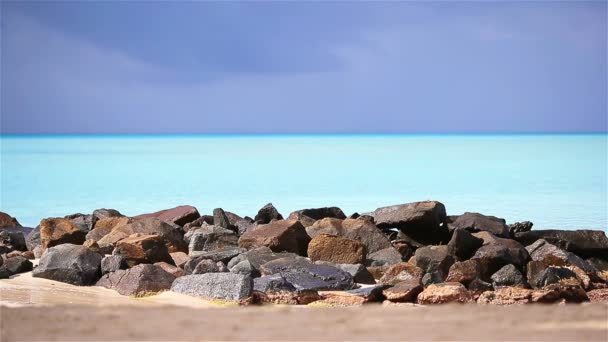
(303, 67)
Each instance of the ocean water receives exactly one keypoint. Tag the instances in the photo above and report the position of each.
(556, 181)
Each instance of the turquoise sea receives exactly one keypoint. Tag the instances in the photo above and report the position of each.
(556, 181)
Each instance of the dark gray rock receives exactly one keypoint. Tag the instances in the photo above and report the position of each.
(479, 286)
(110, 263)
(520, 227)
(223, 255)
(304, 275)
(384, 257)
(254, 259)
(542, 250)
(220, 218)
(476, 222)
(463, 245)
(436, 260)
(32, 239)
(508, 275)
(272, 283)
(497, 252)
(210, 238)
(359, 272)
(424, 222)
(82, 221)
(12, 239)
(104, 213)
(206, 266)
(68, 263)
(140, 280)
(224, 286)
(540, 276)
(598, 263)
(16, 265)
(266, 214)
(434, 277)
(584, 243)
(308, 216)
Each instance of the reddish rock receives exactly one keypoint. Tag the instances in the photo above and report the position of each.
(400, 272)
(7, 220)
(57, 231)
(336, 249)
(506, 296)
(180, 215)
(405, 291)
(176, 271)
(445, 293)
(142, 249)
(172, 234)
(308, 216)
(598, 296)
(279, 236)
(362, 230)
(92, 245)
(464, 272)
(105, 225)
(180, 258)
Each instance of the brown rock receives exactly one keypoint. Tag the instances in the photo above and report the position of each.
(405, 291)
(400, 272)
(7, 220)
(362, 230)
(308, 216)
(464, 272)
(279, 236)
(57, 231)
(336, 249)
(92, 245)
(506, 296)
(176, 271)
(142, 249)
(352, 297)
(172, 234)
(138, 281)
(287, 297)
(105, 225)
(445, 293)
(377, 271)
(179, 215)
(566, 290)
(424, 222)
(180, 258)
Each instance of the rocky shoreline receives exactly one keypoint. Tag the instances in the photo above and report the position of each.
(408, 253)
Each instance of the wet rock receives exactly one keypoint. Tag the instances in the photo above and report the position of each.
(308, 216)
(110, 263)
(206, 266)
(179, 258)
(223, 255)
(520, 227)
(304, 275)
(142, 249)
(223, 286)
(549, 254)
(140, 280)
(210, 238)
(180, 215)
(464, 272)
(362, 230)
(463, 245)
(598, 296)
(445, 293)
(266, 214)
(497, 252)
(254, 259)
(11, 240)
(424, 222)
(68, 263)
(403, 271)
(359, 272)
(434, 259)
(325, 247)
(57, 231)
(279, 236)
(384, 257)
(16, 265)
(105, 225)
(476, 222)
(82, 221)
(508, 275)
(7, 221)
(584, 243)
(147, 226)
(506, 296)
(404, 291)
(105, 213)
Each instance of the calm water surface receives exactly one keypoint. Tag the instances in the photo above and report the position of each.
(556, 181)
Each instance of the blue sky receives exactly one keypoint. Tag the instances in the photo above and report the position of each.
(296, 67)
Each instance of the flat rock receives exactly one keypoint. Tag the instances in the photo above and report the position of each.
(279, 236)
(57, 231)
(584, 243)
(68, 263)
(179, 215)
(340, 250)
(308, 216)
(304, 275)
(140, 280)
(404, 291)
(223, 286)
(142, 249)
(424, 222)
(359, 272)
(445, 293)
(148, 226)
(476, 222)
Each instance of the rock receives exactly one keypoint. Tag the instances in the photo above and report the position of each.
(475, 222)
(142, 249)
(364, 231)
(244, 226)
(384, 257)
(464, 272)
(520, 227)
(463, 245)
(140, 280)
(179, 258)
(354, 216)
(57, 231)
(206, 266)
(147, 226)
(497, 252)
(209, 238)
(353, 297)
(180, 215)
(254, 259)
(308, 216)
(336, 249)
(598, 296)
(82, 221)
(26, 254)
(223, 286)
(32, 240)
(267, 214)
(403, 271)
(279, 236)
(105, 213)
(105, 225)
(38, 251)
(234, 218)
(598, 264)
(404, 291)
(16, 265)
(445, 293)
(433, 259)
(584, 243)
(563, 291)
(92, 245)
(276, 289)
(582, 277)
(506, 296)
(424, 222)
(68, 263)
(435, 277)
(478, 286)
(539, 275)
(199, 222)
(508, 275)
(110, 263)
(220, 218)
(7, 221)
(404, 248)
(549, 254)
(304, 275)
(223, 255)
(11, 240)
(359, 273)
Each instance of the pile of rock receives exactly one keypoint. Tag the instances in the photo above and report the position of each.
(411, 252)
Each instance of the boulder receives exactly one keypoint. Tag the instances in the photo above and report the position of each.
(57, 231)
(142, 249)
(92, 245)
(424, 222)
(464, 272)
(463, 245)
(540, 275)
(180, 215)
(11, 240)
(82, 221)
(7, 221)
(147, 226)
(362, 230)
(542, 250)
(223, 255)
(497, 252)
(223, 286)
(16, 265)
(403, 271)
(174, 270)
(325, 247)
(220, 218)
(359, 272)
(520, 227)
(32, 240)
(445, 293)
(68, 263)
(584, 243)
(434, 259)
(209, 238)
(476, 222)
(279, 236)
(508, 275)
(254, 259)
(266, 214)
(199, 222)
(404, 248)
(384, 257)
(105, 225)
(404, 291)
(110, 263)
(561, 292)
(276, 289)
(179, 258)
(308, 216)
(206, 266)
(506, 296)
(140, 280)
(304, 275)
(105, 213)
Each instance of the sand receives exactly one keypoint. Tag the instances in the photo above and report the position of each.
(34, 309)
